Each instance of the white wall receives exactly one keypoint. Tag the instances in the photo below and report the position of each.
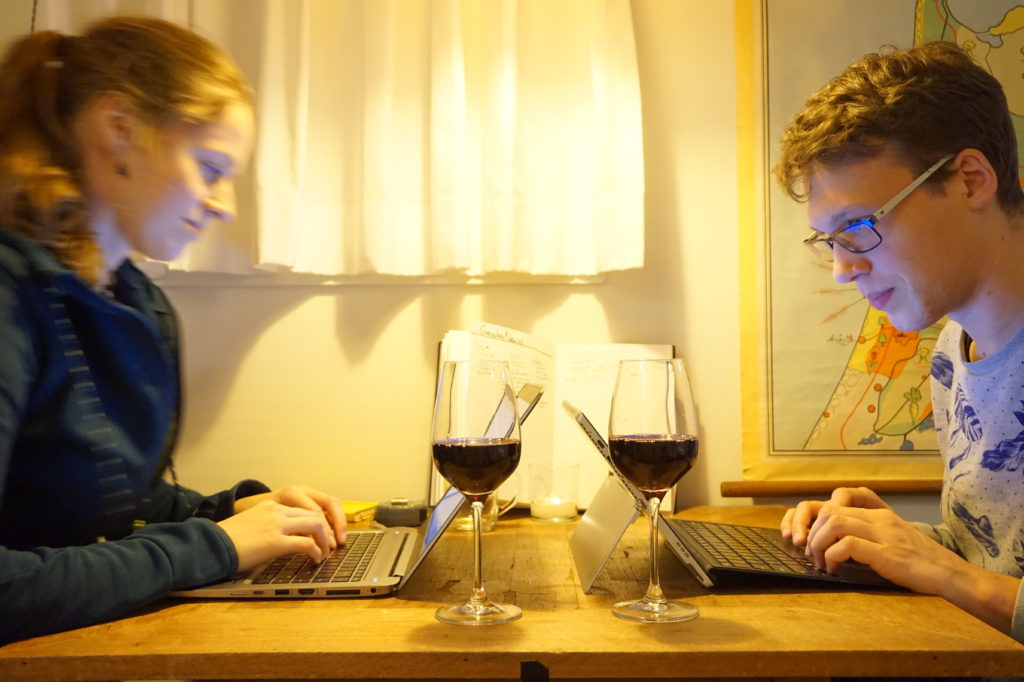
(332, 386)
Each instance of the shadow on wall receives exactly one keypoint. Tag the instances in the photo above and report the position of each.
(218, 332)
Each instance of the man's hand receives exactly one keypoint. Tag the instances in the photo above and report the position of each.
(798, 520)
(894, 548)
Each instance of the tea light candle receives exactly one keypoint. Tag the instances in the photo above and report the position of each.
(552, 508)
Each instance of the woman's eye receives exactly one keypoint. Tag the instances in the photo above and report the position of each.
(211, 173)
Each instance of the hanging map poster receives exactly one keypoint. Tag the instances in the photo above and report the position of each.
(839, 380)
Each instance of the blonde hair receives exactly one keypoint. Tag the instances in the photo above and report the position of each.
(167, 73)
(922, 103)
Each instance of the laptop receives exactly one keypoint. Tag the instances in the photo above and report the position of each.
(717, 554)
(372, 563)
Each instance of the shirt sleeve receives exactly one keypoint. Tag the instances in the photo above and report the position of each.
(1017, 621)
(170, 502)
(48, 590)
(940, 533)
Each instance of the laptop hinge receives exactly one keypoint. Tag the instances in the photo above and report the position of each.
(402, 556)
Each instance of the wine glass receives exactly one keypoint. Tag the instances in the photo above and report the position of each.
(653, 442)
(476, 447)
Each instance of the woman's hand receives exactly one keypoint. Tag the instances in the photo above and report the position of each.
(307, 498)
(296, 519)
(267, 530)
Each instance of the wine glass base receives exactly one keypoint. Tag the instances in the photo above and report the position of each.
(487, 613)
(655, 612)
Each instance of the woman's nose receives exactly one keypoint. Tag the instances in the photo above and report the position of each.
(220, 205)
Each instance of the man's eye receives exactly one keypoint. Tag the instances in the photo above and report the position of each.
(853, 222)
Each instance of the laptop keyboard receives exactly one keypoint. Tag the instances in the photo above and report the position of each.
(343, 564)
(745, 547)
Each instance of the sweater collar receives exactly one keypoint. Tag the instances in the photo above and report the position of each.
(130, 283)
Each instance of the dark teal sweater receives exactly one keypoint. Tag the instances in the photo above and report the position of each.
(82, 449)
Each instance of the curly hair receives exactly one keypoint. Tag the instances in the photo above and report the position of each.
(922, 103)
(168, 74)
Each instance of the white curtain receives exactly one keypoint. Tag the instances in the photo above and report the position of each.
(418, 137)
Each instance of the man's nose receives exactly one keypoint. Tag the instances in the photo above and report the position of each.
(847, 266)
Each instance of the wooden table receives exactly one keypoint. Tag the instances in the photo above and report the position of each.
(771, 633)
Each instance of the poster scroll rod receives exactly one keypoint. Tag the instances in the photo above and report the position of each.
(825, 487)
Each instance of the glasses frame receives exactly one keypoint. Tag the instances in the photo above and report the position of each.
(832, 238)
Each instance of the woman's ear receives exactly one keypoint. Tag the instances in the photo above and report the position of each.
(114, 124)
(976, 177)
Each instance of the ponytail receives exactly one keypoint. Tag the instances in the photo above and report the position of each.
(40, 187)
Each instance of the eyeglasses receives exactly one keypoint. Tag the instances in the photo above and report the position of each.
(860, 235)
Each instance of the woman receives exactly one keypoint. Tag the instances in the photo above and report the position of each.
(123, 139)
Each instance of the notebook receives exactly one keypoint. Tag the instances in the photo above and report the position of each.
(717, 554)
(372, 563)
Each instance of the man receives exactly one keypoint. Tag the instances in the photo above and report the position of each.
(908, 163)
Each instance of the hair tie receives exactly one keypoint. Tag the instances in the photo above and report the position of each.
(60, 51)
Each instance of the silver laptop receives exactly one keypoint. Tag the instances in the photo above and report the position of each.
(372, 563)
(716, 554)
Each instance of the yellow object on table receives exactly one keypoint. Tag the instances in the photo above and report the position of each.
(358, 511)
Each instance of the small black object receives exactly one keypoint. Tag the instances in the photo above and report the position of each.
(401, 511)
(533, 671)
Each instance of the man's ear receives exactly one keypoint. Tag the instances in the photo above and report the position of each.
(976, 177)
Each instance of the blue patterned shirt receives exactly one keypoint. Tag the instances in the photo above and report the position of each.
(979, 420)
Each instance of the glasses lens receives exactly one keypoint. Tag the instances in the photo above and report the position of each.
(858, 238)
(820, 247)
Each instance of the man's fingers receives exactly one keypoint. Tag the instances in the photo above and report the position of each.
(786, 527)
(845, 531)
(804, 516)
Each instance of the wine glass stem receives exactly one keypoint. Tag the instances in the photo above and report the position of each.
(654, 593)
(479, 594)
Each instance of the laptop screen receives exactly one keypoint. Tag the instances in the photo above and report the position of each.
(436, 524)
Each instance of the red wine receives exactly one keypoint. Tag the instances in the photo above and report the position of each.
(476, 466)
(653, 463)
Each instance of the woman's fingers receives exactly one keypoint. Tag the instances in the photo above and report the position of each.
(312, 499)
(270, 529)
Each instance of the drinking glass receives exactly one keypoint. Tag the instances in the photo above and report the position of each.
(476, 447)
(653, 442)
